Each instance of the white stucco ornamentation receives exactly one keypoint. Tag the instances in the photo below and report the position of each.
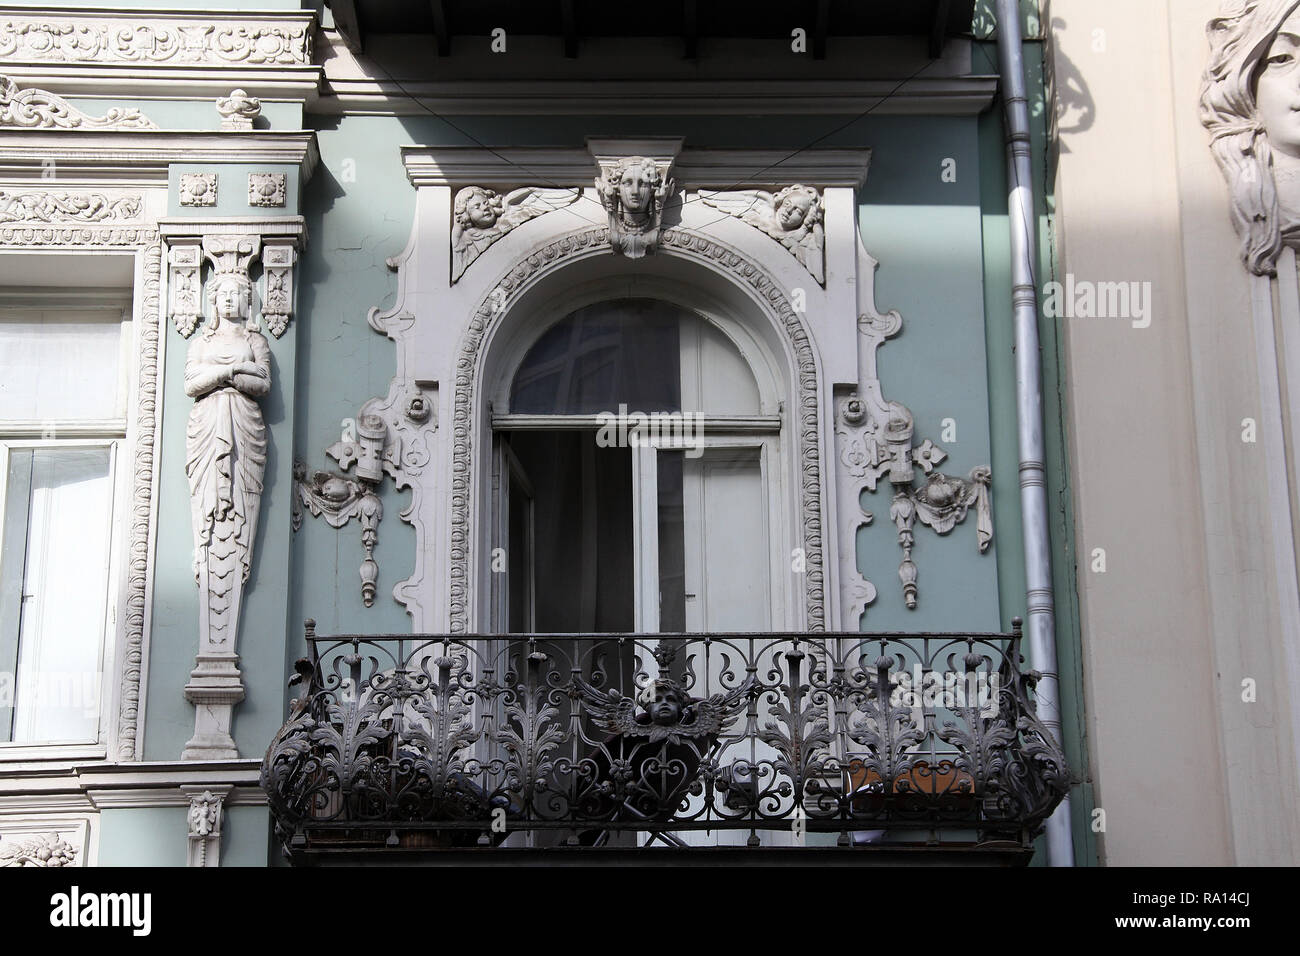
(40, 205)
(874, 440)
(278, 257)
(35, 235)
(45, 850)
(212, 41)
(38, 109)
(148, 420)
(633, 191)
(389, 436)
(198, 189)
(227, 372)
(238, 110)
(266, 189)
(185, 287)
(206, 809)
(338, 499)
(793, 217)
(482, 216)
(1247, 104)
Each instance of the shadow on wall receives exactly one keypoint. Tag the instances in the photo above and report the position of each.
(1075, 110)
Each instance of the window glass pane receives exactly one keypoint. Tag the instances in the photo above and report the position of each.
(61, 364)
(672, 556)
(601, 356)
(66, 515)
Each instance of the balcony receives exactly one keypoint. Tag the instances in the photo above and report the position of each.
(850, 748)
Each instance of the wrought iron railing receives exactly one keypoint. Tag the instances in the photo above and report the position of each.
(626, 739)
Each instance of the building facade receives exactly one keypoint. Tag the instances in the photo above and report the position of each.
(637, 414)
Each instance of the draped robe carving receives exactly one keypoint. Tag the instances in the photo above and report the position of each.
(227, 369)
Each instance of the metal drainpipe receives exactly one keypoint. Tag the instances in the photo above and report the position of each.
(1041, 625)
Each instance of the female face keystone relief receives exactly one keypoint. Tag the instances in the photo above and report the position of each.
(1277, 95)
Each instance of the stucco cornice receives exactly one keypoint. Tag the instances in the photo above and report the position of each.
(457, 165)
(97, 152)
(943, 96)
(83, 50)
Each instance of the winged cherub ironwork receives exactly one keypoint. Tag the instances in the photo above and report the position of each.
(664, 711)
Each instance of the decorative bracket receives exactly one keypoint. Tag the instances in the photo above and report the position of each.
(207, 805)
(339, 499)
(185, 264)
(277, 274)
(390, 435)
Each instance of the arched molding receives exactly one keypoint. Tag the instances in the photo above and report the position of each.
(767, 298)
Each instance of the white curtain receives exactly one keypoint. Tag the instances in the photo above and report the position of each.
(62, 625)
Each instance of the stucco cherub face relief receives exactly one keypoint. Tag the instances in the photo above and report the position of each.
(479, 211)
(1277, 94)
(794, 210)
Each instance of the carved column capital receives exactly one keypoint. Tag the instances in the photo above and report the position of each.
(231, 246)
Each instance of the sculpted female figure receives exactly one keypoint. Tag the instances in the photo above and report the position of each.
(227, 369)
(1251, 106)
(633, 193)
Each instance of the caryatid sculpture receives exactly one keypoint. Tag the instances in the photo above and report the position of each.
(1249, 104)
(227, 372)
(633, 192)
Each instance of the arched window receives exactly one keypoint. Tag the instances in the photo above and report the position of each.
(635, 479)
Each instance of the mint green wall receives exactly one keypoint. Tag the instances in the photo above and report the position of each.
(232, 190)
(158, 836)
(927, 235)
(139, 836)
(246, 836)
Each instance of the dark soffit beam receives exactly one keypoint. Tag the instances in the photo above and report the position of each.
(821, 26)
(569, 22)
(690, 28)
(440, 30)
(939, 29)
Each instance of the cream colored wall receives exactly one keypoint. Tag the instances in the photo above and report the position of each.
(1186, 771)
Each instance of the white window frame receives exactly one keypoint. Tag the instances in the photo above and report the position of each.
(112, 433)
